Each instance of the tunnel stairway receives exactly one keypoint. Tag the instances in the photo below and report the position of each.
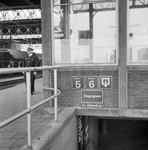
(124, 135)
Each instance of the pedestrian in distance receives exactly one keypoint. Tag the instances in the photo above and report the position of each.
(31, 61)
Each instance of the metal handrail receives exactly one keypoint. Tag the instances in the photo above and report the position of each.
(25, 69)
(93, 144)
(29, 108)
(46, 100)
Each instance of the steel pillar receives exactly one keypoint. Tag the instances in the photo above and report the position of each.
(122, 48)
(47, 42)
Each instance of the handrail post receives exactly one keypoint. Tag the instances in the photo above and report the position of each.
(55, 92)
(28, 78)
(29, 108)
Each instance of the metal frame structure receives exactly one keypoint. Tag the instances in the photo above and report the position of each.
(23, 17)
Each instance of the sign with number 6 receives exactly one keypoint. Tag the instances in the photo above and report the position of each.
(91, 82)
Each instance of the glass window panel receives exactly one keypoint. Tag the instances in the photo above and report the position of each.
(138, 44)
(76, 45)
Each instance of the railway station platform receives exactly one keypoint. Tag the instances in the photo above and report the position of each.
(12, 101)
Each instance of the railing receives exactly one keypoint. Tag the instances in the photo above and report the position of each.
(29, 108)
(91, 141)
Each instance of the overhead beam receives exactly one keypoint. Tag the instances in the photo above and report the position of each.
(32, 4)
(19, 7)
(5, 6)
(143, 4)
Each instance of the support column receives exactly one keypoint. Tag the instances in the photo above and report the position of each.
(65, 21)
(122, 47)
(47, 41)
(91, 32)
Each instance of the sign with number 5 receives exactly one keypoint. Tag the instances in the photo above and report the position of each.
(77, 82)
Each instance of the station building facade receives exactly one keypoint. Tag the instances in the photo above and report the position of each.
(103, 59)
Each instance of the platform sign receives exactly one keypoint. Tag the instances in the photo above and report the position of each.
(91, 82)
(105, 82)
(91, 96)
(77, 82)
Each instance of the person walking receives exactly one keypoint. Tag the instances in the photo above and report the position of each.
(31, 61)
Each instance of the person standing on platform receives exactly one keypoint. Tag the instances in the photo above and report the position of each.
(31, 61)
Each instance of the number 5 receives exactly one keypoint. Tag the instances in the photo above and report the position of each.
(78, 84)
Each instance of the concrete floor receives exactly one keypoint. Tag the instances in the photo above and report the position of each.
(13, 101)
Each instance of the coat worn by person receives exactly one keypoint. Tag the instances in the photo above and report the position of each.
(31, 61)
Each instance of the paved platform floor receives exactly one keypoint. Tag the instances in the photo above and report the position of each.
(12, 101)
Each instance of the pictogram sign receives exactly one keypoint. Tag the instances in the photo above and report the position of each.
(105, 82)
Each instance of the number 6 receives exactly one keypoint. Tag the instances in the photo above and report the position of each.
(91, 84)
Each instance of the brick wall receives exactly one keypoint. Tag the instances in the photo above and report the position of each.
(66, 136)
(72, 98)
(138, 89)
(61, 135)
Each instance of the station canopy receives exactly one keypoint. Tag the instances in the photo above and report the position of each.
(21, 19)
